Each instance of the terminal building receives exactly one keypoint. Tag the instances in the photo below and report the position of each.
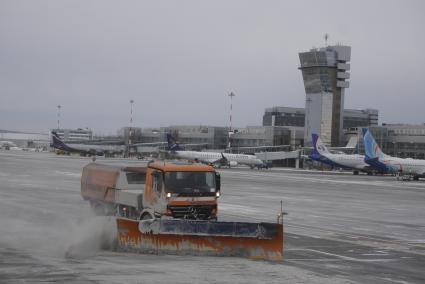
(258, 136)
(360, 118)
(398, 140)
(291, 116)
(213, 137)
(324, 72)
(205, 137)
(70, 135)
(266, 138)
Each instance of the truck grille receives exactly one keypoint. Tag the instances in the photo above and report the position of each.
(202, 212)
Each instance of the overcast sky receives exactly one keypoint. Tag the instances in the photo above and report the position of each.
(179, 60)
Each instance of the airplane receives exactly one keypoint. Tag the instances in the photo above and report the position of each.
(9, 145)
(213, 158)
(412, 168)
(85, 150)
(354, 161)
(351, 145)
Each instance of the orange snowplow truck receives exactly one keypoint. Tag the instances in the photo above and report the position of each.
(188, 191)
(171, 208)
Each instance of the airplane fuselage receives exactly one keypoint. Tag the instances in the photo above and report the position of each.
(354, 161)
(398, 165)
(213, 157)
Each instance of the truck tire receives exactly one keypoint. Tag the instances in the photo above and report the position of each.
(146, 216)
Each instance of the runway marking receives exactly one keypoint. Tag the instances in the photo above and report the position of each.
(405, 244)
(29, 185)
(341, 256)
(68, 173)
(323, 180)
(237, 208)
(417, 241)
(396, 281)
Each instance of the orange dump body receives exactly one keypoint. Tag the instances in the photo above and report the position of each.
(183, 237)
(99, 182)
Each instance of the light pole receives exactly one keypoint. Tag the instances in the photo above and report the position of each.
(131, 112)
(59, 115)
(131, 125)
(231, 95)
(326, 36)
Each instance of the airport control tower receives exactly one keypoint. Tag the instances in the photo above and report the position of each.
(325, 77)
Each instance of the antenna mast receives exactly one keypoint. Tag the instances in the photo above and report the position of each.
(326, 36)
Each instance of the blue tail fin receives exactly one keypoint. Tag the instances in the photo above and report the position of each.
(58, 143)
(315, 137)
(316, 155)
(318, 145)
(372, 150)
(172, 144)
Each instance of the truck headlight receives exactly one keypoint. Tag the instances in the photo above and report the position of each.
(217, 194)
(168, 194)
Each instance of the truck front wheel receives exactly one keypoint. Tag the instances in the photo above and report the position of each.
(146, 216)
(97, 208)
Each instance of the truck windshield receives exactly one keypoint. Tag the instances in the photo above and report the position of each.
(190, 182)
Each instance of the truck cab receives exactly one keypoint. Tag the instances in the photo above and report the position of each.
(160, 189)
(182, 190)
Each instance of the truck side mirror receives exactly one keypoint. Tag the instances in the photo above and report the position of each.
(157, 181)
(217, 181)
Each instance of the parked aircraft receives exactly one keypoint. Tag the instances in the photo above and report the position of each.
(351, 145)
(375, 157)
(322, 154)
(9, 145)
(86, 150)
(214, 158)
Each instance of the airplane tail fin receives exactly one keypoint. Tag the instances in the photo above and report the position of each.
(172, 143)
(372, 150)
(56, 142)
(352, 143)
(318, 147)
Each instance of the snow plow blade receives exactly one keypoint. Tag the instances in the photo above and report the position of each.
(185, 237)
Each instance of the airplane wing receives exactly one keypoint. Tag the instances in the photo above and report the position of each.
(221, 161)
(212, 161)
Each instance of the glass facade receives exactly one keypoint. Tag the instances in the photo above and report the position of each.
(283, 116)
(289, 116)
(405, 141)
(326, 117)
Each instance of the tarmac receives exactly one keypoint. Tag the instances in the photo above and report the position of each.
(340, 228)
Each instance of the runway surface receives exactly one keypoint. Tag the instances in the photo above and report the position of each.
(340, 228)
